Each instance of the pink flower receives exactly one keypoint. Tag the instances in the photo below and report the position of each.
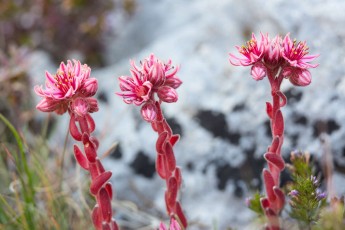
(151, 78)
(135, 90)
(173, 225)
(272, 53)
(252, 52)
(296, 54)
(155, 71)
(70, 81)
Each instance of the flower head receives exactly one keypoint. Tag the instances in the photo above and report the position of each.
(251, 52)
(135, 89)
(71, 81)
(151, 78)
(296, 54)
(173, 225)
(274, 55)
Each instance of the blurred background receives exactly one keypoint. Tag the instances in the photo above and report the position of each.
(220, 113)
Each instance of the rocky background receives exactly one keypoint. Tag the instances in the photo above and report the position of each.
(220, 113)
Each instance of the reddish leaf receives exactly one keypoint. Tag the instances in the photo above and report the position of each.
(172, 191)
(105, 205)
(283, 99)
(269, 109)
(269, 183)
(89, 149)
(170, 157)
(181, 215)
(280, 198)
(73, 129)
(114, 225)
(273, 219)
(170, 209)
(81, 159)
(275, 144)
(161, 142)
(276, 160)
(264, 203)
(109, 189)
(167, 127)
(96, 217)
(100, 166)
(154, 126)
(174, 139)
(85, 138)
(159, 126)
(94, 141)
(93, 169)
(106, 226)
(90, 122)
(98, 182)
(178, 176)
(278, 126)
(160, 167)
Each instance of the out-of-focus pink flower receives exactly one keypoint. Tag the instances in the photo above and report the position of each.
(296, 53)
(70, 81)
(252, 52)
(149, 112)
(173, 225)
(167, 94)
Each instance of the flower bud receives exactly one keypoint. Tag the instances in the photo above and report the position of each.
(156, 75)
(149, 112)
(167, 94)
(173, 82)
(90, 87)
(258, 71)
(80, 107)
(297, 76)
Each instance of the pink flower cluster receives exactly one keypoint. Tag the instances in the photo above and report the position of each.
(270, 54)
(71, 88)
(150, 78)
(277, 59)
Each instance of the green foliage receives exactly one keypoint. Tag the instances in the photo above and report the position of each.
(306, 198)
(255, 205)
(31, 195)
(332, 217)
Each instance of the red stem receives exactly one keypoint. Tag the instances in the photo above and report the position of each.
(100, 188)
(275, 200)
(173, 184)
